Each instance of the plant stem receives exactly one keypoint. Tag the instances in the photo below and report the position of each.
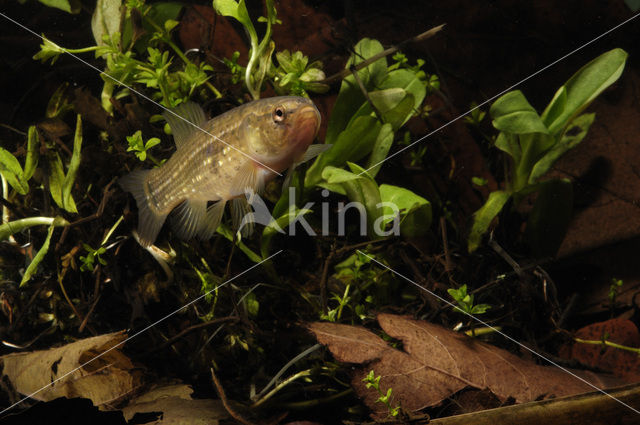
(607, 344)
(282, 385)
(12, 227)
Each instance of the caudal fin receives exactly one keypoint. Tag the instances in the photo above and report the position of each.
(149, 222)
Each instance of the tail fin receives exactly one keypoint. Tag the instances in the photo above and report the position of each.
(149, 221)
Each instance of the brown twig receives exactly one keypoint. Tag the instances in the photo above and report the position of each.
(106, 193)
(225, 402)
(365, 93)
(344, 73)
(323, 279)
(433, 303)
(185, 331)
(445, 244)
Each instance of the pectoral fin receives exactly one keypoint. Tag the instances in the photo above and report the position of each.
(311, 152)
(250, 178)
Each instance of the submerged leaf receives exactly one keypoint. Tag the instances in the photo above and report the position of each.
(37, 259)
(575, 133)
(513, 114)
(484, 216)
(583, 87)
(435, 363)
(12, 171)
(351, 145)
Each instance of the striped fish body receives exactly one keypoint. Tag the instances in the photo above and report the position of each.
(220, 160)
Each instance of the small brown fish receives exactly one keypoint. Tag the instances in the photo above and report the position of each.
(238, 151)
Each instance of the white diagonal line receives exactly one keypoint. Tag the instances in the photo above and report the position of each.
(501, 333)
(503, 92)
(137, 92)
(138, 333)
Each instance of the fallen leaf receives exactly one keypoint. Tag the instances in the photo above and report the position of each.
(107, 379)
(436, 363)
(621, 363)
(173, 405)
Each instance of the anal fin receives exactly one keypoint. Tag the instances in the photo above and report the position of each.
(188, 218)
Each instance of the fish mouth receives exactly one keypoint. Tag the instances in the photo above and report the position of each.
(306, 125)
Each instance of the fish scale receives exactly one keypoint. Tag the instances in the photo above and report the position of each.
(238, 152)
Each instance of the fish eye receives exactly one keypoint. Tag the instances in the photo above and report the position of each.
(279, 114)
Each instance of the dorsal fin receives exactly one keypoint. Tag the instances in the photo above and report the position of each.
(182, 130)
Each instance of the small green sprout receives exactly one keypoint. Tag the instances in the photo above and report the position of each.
(93, 255)
(237, 70)
(294, 75)
(479, 181)
(616, 284)
(139, 147)
(343, 300)
(476, 115)
(373, 381)
(417, 155)
(465, 301)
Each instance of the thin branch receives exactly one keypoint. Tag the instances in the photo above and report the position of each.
(391, 50)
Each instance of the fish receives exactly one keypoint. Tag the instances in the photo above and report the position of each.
(238, 152)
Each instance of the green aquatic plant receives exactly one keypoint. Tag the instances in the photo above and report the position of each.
(135, 54)
(465, 301)
(373, 381)
(534, 142)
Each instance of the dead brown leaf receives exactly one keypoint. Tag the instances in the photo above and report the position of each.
(436, 363)
(105, 380)
(621, 363)
(174, 405)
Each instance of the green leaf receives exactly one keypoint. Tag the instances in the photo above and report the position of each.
(575, 133)
(380, 149)
(74, 164)
(106, 20)
(484, 216)
(350, 98)
(37, 259)
(237, 10)
(12, 171)
(351, 145)
(359, 188)
(508, 143)
(48, 50)
(395, 105)
(33, 153)
(56, 178)
(534, 146)
(513, 113)
(414, 209)
(283, 222)
(549, 219)
(556, 106)
(69, 6)
(584, 86)
(224, 230)
(409, 81)
(334, 175)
